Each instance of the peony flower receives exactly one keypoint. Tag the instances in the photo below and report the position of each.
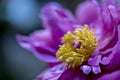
(81, 48)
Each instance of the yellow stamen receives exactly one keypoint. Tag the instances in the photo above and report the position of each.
(74, 55)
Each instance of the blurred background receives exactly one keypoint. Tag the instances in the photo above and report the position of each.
(21, 17)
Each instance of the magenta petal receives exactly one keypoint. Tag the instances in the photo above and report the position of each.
(43, 56)
(24, 42)
(52, 74)
(114, 12)
(72, 74)
(40, 44)
(57, 19)
(86, 12)
(41, 36)
(110, 76)
(114, 57)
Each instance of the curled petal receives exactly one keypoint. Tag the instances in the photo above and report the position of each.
(24, 42)
(40, 44)
(114, 56)
(114, 13)
(109, 40)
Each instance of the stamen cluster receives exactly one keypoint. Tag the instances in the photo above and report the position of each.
(77, 47)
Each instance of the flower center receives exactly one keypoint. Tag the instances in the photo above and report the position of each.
(77, 47)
